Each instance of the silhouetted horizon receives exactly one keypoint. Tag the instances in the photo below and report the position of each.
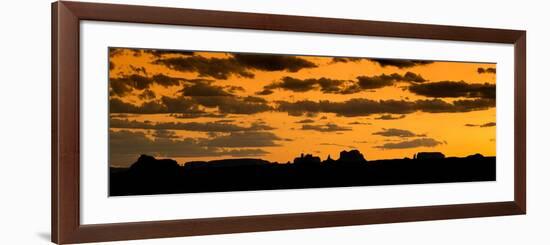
(149, 175)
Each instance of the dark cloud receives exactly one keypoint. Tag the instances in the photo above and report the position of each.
(454, 89)
(485, 125)
(123, 85)
(218, 68)
(265, 92)
(400, 63)
(234, 89)
(160, 52)
(412, 77)
(326, 85)
(189, 126)
(365, 107)
(377, 81)
(147, 95)
(334, 86)
(197, 115)
(180, 104)
(489, 124)
(359, 123)
(212, 96)
(293, 84)
(157, 53)
(188, 106)
(234, 105)
(306, 121)
(384, 80)
(119, 87)
(350, 108)
(268, 62)
(389, 117)
(414, 143)
(329, 127)
(440, 106)
(119, 106)
(113, 52)
(165, 81)
(163, 133)
(204, 89)
(345, 60)
(139, 70)
(239, 64)
(225, 121)
(395, 132)
(480, 70)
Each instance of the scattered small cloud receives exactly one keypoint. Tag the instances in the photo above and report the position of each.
(485, 125)
(395, 132)
(306, 121)
(414, 143)
(400, 63)
(270, 62)
(365, 107)
(240, 65)
(481, 70)
(329, 127)
(121, 86)
(389, 117)
(336, 86)
(359, 123)
(454, 89)
(345, 59)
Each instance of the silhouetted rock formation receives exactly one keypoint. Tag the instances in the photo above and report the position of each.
(429, 155)
(475, 156)
(225, 163)
(151, 165)
(329, 160)
(164, 176)
(352, 156)
(307, 160)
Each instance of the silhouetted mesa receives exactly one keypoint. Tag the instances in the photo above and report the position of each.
(429, 155)
(164, 176)
(353, 156)
(307, 160)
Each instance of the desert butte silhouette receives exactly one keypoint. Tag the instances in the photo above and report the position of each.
(149, 175)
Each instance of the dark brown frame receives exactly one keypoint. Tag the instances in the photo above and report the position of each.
(66, 227)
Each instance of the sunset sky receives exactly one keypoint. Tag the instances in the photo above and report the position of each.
(189, 106)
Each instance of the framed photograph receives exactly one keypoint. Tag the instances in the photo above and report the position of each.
(176, 122)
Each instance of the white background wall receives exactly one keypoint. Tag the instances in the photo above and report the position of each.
(25, 121)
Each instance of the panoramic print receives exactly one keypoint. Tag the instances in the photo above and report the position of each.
(184, 121)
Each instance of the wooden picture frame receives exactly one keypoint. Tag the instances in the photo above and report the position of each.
(66, 225)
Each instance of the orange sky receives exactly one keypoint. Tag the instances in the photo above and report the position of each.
(248, 124)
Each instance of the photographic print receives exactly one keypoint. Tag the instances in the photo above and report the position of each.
(185, 121)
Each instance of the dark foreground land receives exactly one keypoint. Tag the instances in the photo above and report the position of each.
(152, 176)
